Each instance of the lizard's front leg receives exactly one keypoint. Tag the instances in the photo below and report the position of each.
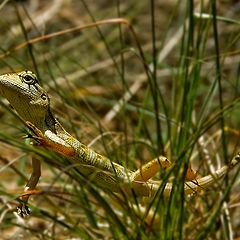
(23, 209)
(50, 141)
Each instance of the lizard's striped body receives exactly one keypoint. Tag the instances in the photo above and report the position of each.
(32, 104)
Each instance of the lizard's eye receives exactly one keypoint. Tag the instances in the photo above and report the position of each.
(28, 77)
(44, 96)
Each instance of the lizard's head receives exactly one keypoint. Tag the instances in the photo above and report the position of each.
(26, 96)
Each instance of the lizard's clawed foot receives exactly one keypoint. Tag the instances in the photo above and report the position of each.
(35, 130)
(23, 210)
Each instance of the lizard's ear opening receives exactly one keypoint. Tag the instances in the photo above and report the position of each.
(44, 97)
(41, 104)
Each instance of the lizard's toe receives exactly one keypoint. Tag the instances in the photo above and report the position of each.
(23, 210)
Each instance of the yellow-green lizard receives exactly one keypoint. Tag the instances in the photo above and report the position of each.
(32, 103)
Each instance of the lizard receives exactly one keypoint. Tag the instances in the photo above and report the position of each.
(32, 104)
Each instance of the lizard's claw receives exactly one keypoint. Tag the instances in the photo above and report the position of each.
(39, 136)
(23, 210)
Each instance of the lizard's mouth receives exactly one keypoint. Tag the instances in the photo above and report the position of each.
(14, 92)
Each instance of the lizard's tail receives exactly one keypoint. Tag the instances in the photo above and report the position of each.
(151, 187)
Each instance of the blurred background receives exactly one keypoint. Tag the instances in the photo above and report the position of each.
(132, 80)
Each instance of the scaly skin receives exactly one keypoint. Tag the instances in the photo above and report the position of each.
(32, 104)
